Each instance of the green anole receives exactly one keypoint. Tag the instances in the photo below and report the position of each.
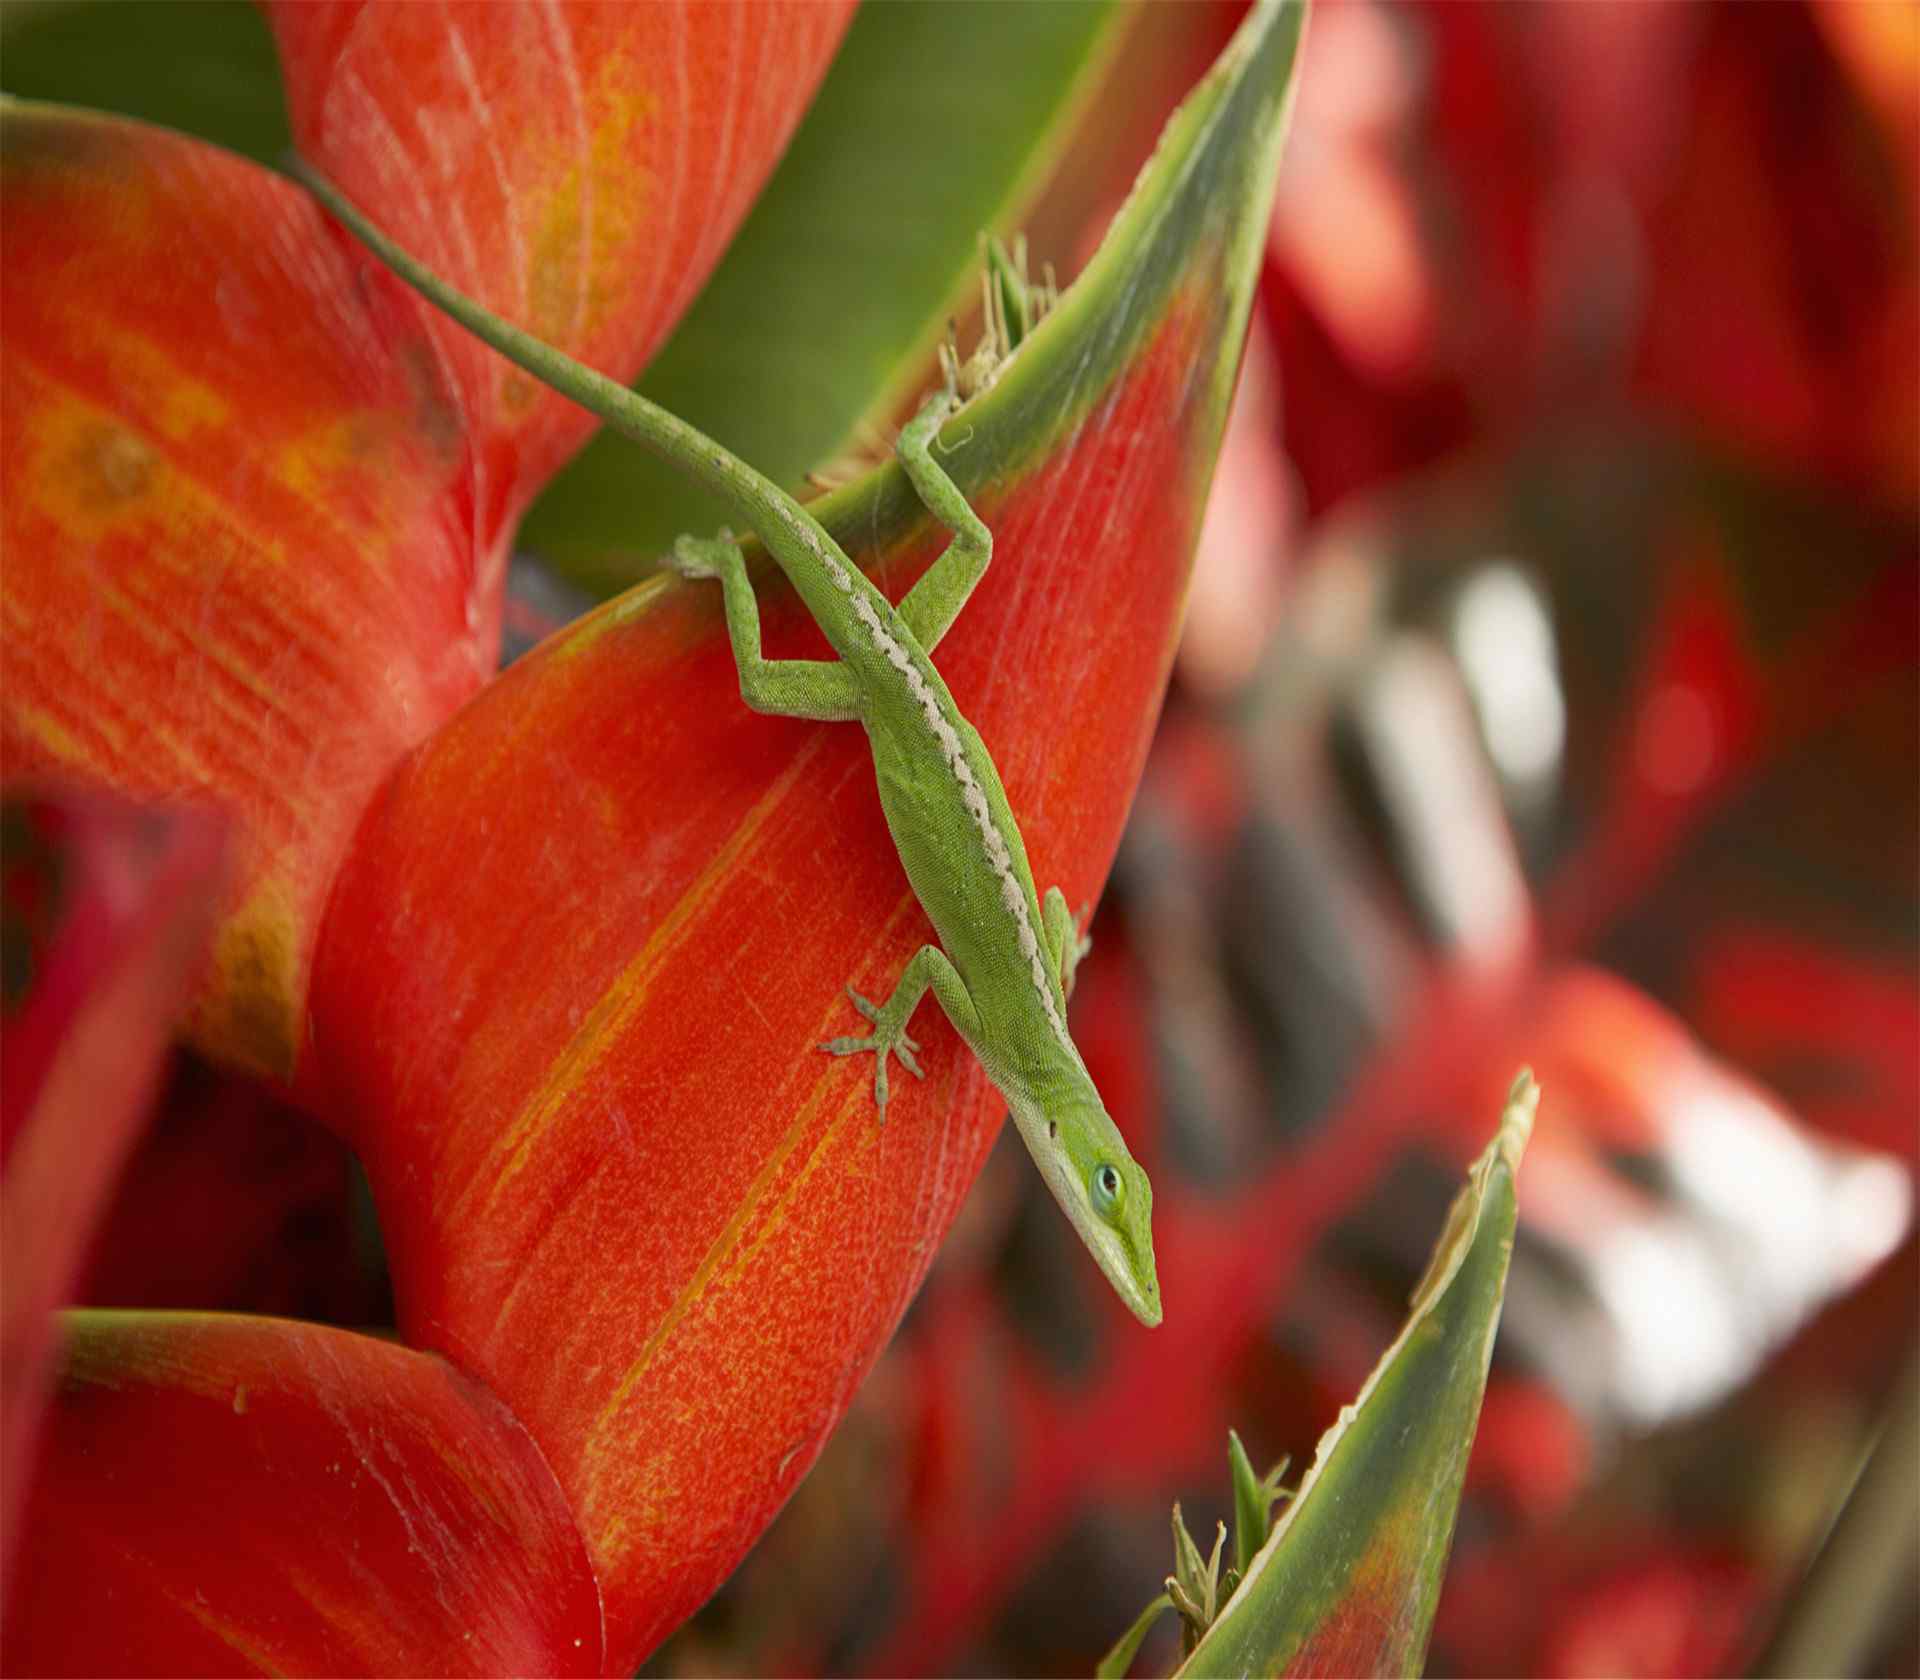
(1006, 956)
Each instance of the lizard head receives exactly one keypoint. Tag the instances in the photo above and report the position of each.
(1101, 1189)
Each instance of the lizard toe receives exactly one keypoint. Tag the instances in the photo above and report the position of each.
(847, 1046)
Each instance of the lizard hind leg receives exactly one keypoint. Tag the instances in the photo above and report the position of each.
(1064, 938)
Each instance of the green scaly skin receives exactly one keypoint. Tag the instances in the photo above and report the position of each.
(1005, 956)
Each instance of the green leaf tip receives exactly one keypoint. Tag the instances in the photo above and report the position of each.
(1516, 1123)
(1194, 1586)
(1463, 1217)
(1012, 292)
(1253, 1501)
(1011, 306)
(1349, 1578)
(1249, 1509)
(1186, 246)
(1114, 1665)
(1196, 1589)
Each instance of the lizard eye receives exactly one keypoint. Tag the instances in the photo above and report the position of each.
(1107, 1186)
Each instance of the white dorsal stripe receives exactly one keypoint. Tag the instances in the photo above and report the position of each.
(972, 795)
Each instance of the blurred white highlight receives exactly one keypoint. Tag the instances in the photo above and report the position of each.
(1510, 663)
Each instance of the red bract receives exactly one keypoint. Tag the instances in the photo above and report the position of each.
(226, 485)
(557, 965)
(578, 167)
(615, 1170)
(106, 914)
(248, 1495)
(266, 494)
(678, 851)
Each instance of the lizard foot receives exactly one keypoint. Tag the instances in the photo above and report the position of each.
(871, 1010)
(891, 1039)
(703, 557)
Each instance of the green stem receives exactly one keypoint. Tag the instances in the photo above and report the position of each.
(755, 500)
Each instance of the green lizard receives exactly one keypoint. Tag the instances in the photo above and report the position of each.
(1006, 956)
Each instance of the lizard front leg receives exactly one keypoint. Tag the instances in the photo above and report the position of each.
(931, 605)
(807, 688)
(927, 968)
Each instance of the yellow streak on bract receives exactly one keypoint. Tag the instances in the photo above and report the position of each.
(60, 743)
(88, 473)
(359, 447)
(612, 1015)
(607, 184)
(253, 1656)
(172, 403)
(252, 1010)
(643, 1487)
(93, 475)
(177, 755)
(605, 1445)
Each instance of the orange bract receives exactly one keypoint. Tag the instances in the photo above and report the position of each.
(621, 1183)
(257, 498)
(577, 168)
(249, 1495)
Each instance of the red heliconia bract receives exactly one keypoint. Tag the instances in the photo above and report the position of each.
(620, 1181)
(578, 168)
(588, 940)
(226, 493)
(106, 910)
(580, 944)
(222, 1494)
(256, 496)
